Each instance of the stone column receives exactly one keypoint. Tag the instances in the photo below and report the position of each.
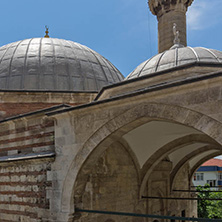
(169, 12)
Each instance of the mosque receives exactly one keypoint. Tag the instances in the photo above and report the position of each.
(81, 143)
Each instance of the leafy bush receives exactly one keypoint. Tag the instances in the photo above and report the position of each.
(209, 208)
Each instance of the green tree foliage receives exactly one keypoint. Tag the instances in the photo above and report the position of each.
(202, 204)
(209, 208)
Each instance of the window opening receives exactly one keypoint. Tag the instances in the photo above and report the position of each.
(198, 176)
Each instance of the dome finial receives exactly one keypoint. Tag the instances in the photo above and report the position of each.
(176, 34)
(46, 32)
(176, 40)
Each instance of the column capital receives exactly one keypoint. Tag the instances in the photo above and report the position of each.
(160, 7)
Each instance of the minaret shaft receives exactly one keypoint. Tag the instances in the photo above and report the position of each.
(169, 12)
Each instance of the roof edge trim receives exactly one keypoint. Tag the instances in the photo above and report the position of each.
(151, 75)
(158, 87)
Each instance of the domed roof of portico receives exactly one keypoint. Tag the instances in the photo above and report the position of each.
(54, 65)
(175, 57)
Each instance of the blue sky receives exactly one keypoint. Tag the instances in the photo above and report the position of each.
(124, 31)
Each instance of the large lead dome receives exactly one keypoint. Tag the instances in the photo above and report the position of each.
(54, 64)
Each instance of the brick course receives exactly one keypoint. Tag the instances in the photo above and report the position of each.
(24, 192)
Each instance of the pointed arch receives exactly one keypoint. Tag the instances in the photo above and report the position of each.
(114, 129)
(190, 156)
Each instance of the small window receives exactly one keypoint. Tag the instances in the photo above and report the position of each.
(198, 177)
(219, 176)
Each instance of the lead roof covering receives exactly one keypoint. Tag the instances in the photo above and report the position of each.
(176, 57)
(54, 64)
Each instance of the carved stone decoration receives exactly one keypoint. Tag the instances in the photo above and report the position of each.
(159, 7)
(101, 167)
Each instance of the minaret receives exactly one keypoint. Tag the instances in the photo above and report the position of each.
(168, 13)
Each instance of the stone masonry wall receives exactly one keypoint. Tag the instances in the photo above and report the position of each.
(26, 154)
(159, 186)
(15, 102)
(26, 137)
(23, 187)
(13, 109)
(111, 184)
(182, 183)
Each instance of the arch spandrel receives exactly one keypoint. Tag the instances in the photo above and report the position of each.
(117, 127)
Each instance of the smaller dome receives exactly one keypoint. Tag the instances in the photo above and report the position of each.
(175, 57)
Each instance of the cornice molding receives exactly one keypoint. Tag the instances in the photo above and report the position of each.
(160, 7)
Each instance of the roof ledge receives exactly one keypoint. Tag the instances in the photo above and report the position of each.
(29, 156)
